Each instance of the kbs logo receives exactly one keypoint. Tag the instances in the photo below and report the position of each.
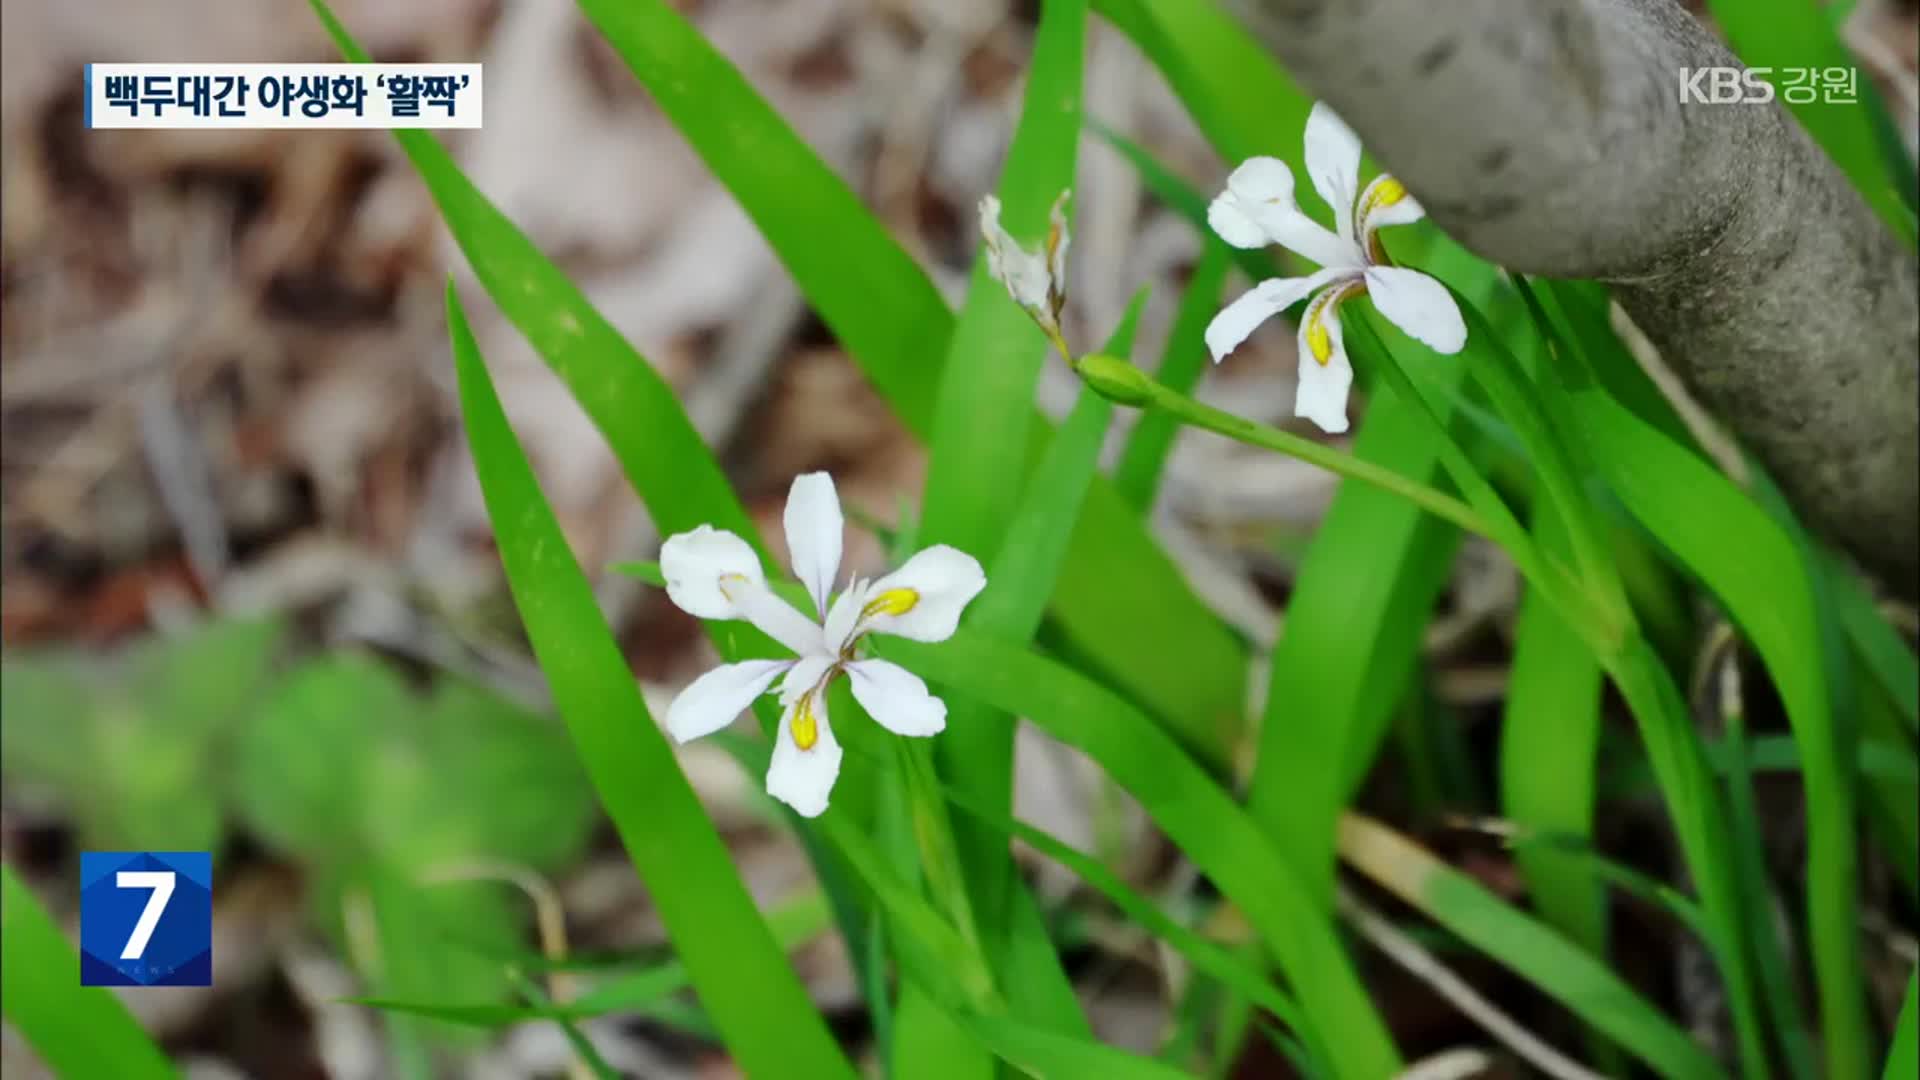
(1725, 86)
(146, 918)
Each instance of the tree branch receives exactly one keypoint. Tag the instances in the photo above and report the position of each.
(1550, 136)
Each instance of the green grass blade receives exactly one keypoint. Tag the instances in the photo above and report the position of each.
(1021, 577)
(1760, 575)
(993, 363)
(743, 979)
(1641, 886)
(1042, 1053)
(1887, 767)
(872, 294)
(1903, 1059)
(77, 1030)
(1549, 741)
(1880, 648)
(1603, 620)
(881, 305)
(1035, 544)
(1772, 954)
(635, 409)
(1205, 821)
(1362, 597)
(1243, 102)
(1792, 36)
(1206, 956)
(793, 923)
(1577, 980)
(1137, 474)
(1776, 754)
(583, 1048)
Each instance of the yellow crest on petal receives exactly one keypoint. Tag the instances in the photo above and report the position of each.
(806, 724)
(891, 602)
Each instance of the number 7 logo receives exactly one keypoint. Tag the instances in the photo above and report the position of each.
(146, 918)
(161, 882)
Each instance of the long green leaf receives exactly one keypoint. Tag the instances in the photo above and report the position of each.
(793, 923)
(1574, 978)
(1594, 604)
(1772, 950)
(1046, 1054)
(1137, 474)
(1035, 544)
(882, 306)
(1903, 1058)
(77, 1030)
(1796, 41)
(1362, 597)
(1206, 823)
(1243, 102)
(1718, 533)
(1880, 648)
(1206, 956)
(634, 409)
(1011, 607)
(982, 419)
(743, 979)
(1549, 740)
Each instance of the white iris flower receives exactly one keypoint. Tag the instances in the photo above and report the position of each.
(713, 574)
(1258, 209)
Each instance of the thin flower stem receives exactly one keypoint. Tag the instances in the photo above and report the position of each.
(1134, 387)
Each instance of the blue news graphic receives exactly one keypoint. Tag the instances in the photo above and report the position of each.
(146, 918)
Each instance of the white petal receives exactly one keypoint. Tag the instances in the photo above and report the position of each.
(777, 619)
(1262, 181)
(1418, 305)
(1333, 161)
(896, 698)
(935, 586)
(693, 564)
(1322, 394)
(1233, 224)
(1024, 273)
(843, 618)
(814, 528)
(711, 701)
(803, 779)
(807, 673)
(1262, 302)
(1385, 202)
(1262, 190)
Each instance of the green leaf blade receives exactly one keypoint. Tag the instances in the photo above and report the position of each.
(77, 1030)
(744, 980)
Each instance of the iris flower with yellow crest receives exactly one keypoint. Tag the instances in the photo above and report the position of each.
(1258, 209)
(713, 574)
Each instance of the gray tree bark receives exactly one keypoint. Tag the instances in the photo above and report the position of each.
(1549, 136)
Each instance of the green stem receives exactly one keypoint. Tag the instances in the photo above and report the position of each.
(1127, 385)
